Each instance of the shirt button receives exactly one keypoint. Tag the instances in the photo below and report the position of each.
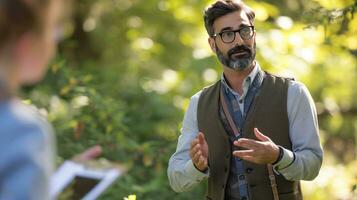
(241, 177)
(249, 170)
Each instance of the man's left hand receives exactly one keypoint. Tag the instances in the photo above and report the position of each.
(261, 151)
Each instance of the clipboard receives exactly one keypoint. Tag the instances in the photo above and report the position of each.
(75, 180)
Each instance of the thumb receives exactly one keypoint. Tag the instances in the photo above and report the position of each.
(201, 138)
(260, 135)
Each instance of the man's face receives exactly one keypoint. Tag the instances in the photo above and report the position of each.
(240, 53)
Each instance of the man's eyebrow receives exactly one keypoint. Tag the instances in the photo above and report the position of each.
(228, 28)
(243, 25)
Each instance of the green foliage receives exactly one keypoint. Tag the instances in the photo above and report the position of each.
(124, 75)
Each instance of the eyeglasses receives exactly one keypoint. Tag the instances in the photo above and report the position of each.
(229, 36)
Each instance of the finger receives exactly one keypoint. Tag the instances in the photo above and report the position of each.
(247, 143)
(89, 154)
(196, 157)
(194, 142)
(201, 161)
(201, 138)
(260, 135)
(195, 149)
(243, 153)
(250, 159)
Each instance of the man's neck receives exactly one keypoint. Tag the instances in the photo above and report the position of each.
(235, 78)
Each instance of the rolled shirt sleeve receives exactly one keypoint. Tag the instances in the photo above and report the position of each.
(305, 159)
(182, 174)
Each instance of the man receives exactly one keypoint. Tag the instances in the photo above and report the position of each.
(252, 134)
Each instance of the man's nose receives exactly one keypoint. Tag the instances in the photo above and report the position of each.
(238, 41)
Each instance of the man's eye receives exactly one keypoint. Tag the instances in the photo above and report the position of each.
(245, 31)
(228, 34)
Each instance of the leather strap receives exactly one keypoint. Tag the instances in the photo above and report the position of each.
(274, 186)
(228, 116)
(272, 179)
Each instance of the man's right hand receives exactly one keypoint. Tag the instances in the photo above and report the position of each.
(199, 152)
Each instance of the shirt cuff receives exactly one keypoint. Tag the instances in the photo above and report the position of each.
(195, 173)
(287, 159)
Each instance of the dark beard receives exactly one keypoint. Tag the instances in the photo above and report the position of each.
(239, 63)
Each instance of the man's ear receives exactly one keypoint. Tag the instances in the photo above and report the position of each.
(212, 44)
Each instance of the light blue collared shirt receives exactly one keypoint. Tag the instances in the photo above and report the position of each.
(246, 84)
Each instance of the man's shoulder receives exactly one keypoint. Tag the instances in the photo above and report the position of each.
(212, 85)
(197, 95)
(211, 88)
(283, 77)
(297, 88)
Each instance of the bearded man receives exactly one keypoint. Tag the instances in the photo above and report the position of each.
(252, 134)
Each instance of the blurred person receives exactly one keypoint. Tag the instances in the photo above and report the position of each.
(252, 134)
(28, 35)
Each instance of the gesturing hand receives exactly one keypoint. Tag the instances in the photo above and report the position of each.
(199, 152)
(263, 151)
(89, 154)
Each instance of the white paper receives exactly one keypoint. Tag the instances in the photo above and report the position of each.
(69, 170)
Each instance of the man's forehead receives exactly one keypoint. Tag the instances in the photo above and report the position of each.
(234, 19)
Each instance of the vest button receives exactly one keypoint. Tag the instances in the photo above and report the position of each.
(225, 169)
(249, 170)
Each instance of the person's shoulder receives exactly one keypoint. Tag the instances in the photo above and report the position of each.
(197, 95)
(23, 121)
(297, 86)
(298, 91)
(283, 77)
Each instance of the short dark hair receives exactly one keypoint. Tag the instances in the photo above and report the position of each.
(223, 7)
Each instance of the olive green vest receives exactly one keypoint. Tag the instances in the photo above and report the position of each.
(268, 113)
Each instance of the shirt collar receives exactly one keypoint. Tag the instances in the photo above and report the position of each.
(248, 79)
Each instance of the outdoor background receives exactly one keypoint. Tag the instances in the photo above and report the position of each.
(126, 69)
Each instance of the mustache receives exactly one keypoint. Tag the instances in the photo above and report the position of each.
(238, 49)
